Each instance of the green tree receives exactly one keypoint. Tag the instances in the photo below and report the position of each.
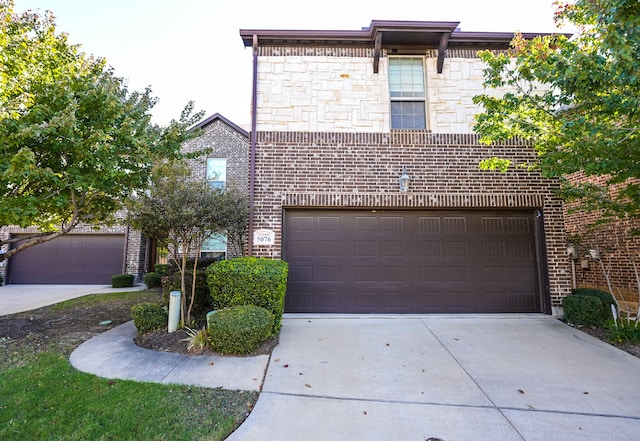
(74, 142)
(181, 213)
(577, 100)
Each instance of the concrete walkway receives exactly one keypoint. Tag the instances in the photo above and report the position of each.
(20, 298)
(113, 354)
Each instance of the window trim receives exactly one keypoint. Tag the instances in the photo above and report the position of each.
(423, 100)
(221, 238)
(217, 183)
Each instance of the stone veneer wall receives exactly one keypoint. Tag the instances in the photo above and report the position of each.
(317, 89)
(361, 170)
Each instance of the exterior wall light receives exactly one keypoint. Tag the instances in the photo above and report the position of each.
(404, 180)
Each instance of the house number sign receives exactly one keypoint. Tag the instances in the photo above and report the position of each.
(264, 237)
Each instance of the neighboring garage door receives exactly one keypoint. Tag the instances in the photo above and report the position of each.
(69, 259)
(375, 261)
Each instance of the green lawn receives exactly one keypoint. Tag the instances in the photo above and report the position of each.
(44, 398)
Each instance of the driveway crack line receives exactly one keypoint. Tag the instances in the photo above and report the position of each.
(426, 325)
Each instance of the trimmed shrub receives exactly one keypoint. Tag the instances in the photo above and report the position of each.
(582, 310)
(202, 302)
(250, 281)
(153, 280)
(239, 329)
(122, 280)
(162, 268)
(605, 297)
(149, 317)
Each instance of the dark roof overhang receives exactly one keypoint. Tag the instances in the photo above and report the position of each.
(384, 34)
(217, 117)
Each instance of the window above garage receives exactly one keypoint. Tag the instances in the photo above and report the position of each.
(407, 92)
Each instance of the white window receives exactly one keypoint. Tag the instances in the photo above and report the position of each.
(217, 172)
(215, 246)
(407, 92)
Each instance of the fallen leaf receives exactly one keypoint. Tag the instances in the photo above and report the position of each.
(308, 385)
(530, 406)
(364, 412)
(521, 391)
(300, 373)
(586, 393)
(211, 363)
(388, 344)
(276, 360)
(285, 366)
(456, 339)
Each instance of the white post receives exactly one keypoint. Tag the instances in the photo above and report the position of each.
(174, 310)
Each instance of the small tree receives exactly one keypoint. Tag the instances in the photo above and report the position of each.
(181, 213)
(234, 215)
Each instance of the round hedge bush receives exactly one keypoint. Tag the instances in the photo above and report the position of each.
(239, 329)
(149, 317)
(605, 298)
(122, 280)
(153, 280)
(582, 310)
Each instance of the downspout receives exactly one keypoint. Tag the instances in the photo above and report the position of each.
(252, 161)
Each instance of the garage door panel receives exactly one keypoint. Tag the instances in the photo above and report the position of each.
(412, 261)
(69, 259)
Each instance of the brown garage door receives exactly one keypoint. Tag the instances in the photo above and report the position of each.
(370, 261)
(70, 259)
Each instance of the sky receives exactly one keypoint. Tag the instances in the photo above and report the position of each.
(191, 50)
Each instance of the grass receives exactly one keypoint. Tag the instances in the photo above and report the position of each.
(95, 299)
(42, 397)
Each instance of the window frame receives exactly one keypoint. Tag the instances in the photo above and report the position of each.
(419, 100)
(218, 253)
(217, 182)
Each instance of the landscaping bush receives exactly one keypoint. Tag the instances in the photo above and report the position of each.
(162, 268)
(153, 280)
(250, 281)
(122, 280)
(239, 329)
(582, 310)
(605, 297)
(202, 303)
(149, 317)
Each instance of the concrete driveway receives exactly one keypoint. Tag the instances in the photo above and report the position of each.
(19, 298)
(459, 378)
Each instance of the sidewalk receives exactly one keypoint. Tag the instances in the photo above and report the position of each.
(113, 354)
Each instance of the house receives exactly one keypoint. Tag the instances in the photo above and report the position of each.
(89, 256)
(339, 120)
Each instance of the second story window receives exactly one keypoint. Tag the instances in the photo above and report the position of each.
(407, 93)
(217, 172)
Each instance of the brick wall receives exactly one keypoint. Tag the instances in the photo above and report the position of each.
(227, 143)
(617, 245)
(301, 169)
